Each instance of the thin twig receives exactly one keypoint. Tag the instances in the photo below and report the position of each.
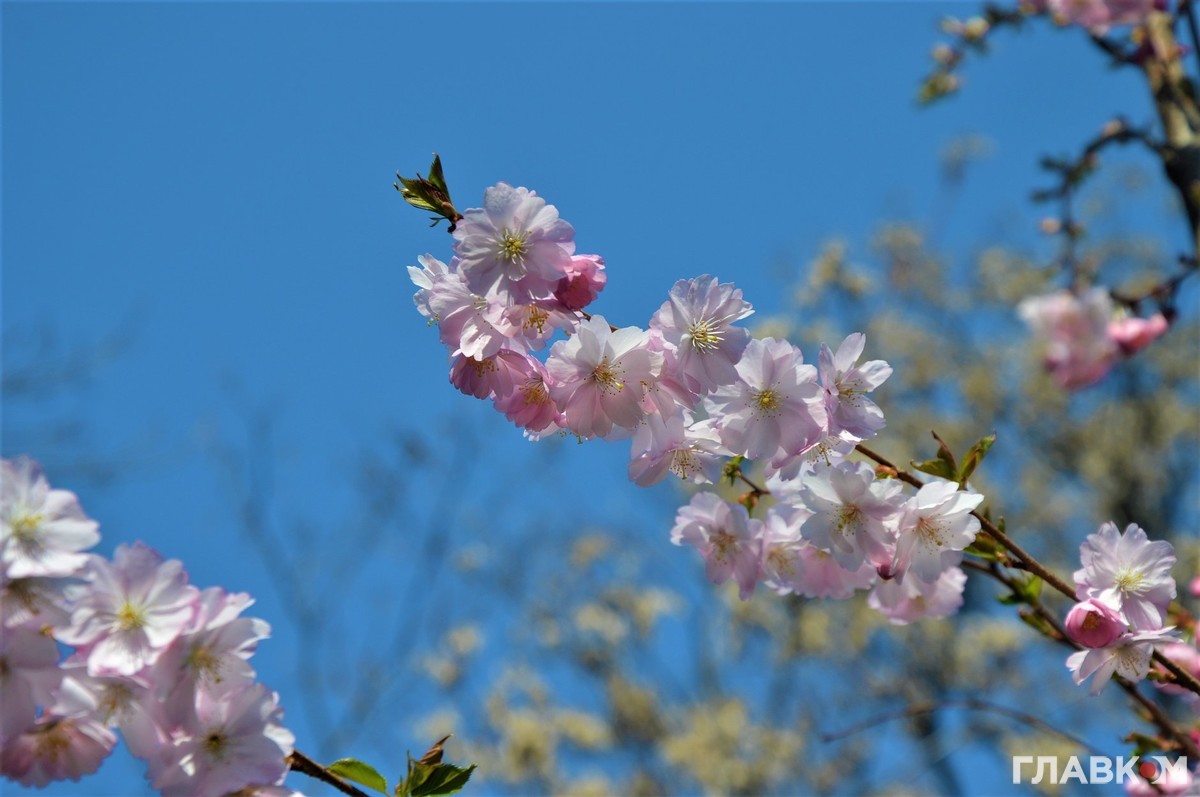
(1182, 677)
(973, 705)
(301, 763)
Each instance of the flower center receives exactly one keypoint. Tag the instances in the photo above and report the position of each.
(931, 533)
(684, 463)
(705, 336)
(784, 564)
(767, 401)
(1130, 580)
(723, 545)
(535, 392)
(535, 319)
(513, 246)
(215, 744)
(608, 377)
(25, 528)
(206, 665)
(130, 617)
(849, 518)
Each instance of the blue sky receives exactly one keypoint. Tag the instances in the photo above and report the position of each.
(216, 178)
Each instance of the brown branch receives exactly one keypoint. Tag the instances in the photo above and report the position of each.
(1184, 678)
(299, 762)
(1156, 715)
(972, 704)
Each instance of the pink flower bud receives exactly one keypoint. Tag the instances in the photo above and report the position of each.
(1133, 334)
(1194, 587)
(1094, 625)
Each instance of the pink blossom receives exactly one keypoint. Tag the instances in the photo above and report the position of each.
(530, 404)
(1127, 572)
(697, 321)
(935, 527)
(1133, 334)
(673, 444)
(29, 676)
(783, 549)
(1094, 624)
(468, 323)
(599, 376)
(1128, 656)
(430, 273)
(42, 531)
(515, 245)
(903, 602)
(775, 404)
(846, 385)
(131, 610)
(725, 535)
(1099, 15)
(234, 740)
(850, 509)
(584, 280)
(1188, 658)
(1073, 331)
(57, 748)
(1169, 783)
(33, 602)
(496, 376)
(120, 701)
(822, 577)
(213, 651)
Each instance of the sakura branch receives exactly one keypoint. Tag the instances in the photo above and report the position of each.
(148, 654)
(699, 398)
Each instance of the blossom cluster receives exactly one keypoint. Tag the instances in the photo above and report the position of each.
(1123, 590)
(1097, 16)
(697, 396)
(1084, 335)
(89, 645)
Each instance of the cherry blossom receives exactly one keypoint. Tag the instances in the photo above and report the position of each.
(774, 404)
(1128, 656)
(846, 385)
(42, 531)
(1073, 330)
(515, 245)
(935, 527)
(131, 609)
(697, 321)
(1094, 624)
(910, 599)
(600, 375)
(662, 445)
(1127, 572)
(233, 740)
(727, 538)
(850, 509)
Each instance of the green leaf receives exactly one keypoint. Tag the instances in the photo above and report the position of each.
(430, 193)
(1037, 623)
(983, 548)
(354, 770)
(943, 451)
(944, 466)
(975, 456)
(732, 468)
(441, 779)
(935, 467)
(1026, 590)
(435, 174)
